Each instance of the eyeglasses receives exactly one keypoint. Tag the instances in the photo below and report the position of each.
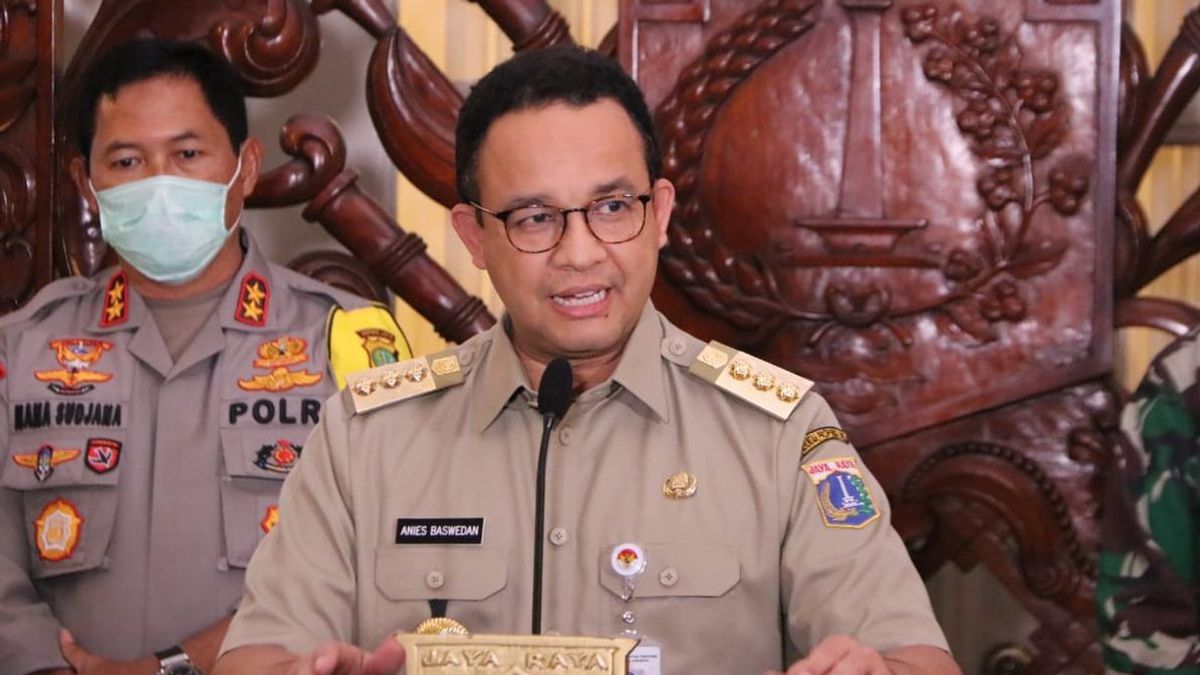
(537, 228)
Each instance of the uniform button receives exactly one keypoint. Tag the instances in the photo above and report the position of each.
(677, 346)
(466, 357)
(435, 579)
(559, 536)
(668, 577)
(565, 434)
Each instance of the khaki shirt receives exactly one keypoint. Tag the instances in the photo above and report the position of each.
(750, 545)
(159, 478)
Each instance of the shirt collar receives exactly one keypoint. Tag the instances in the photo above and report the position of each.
(500, 375)
(248, 303)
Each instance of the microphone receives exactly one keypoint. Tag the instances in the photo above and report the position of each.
(554, 397)
(554, 391)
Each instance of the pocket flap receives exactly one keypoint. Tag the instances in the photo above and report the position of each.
(262, 453)
(678, 570)
(440, 572)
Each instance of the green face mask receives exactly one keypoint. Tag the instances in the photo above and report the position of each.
(169, 228)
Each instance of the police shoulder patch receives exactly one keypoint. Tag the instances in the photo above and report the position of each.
(761, 384)
(367, 337)
(384, 385)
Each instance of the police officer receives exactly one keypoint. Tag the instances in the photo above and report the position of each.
(149, 415)
(695, 497)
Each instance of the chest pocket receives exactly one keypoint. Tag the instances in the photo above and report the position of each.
(68, 488)
(256, 461)
(440, 572)
(678, 571)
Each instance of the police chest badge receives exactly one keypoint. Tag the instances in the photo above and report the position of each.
(44, 460)
(103, 455)
(842, 495)
(278, 457)
(77, 356)
(56, 530)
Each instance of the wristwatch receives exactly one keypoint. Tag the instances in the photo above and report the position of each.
(175, 661)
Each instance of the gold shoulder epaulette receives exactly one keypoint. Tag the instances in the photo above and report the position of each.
(751, 379)
(394, 382)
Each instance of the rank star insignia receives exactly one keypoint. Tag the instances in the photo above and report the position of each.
(380, 346)
(76, 356)
(57, 530)
(280, 457)
(843, 496)
(103, 455)
(270, 519)
(254, 297)
(44, 460)
(116, 301)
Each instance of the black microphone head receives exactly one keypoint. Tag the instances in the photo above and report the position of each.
(554, 391)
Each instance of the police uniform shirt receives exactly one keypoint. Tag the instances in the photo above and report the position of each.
(134, 486)
(356, 557)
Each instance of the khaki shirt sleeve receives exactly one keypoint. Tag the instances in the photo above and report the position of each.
(856, 579)
(28, 629)
(300, 585)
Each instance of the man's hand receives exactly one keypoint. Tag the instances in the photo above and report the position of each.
(86, 663)
(843, 655)
(343, 659)
(840, 655)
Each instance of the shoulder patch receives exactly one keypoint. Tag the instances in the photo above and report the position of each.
(761, 384)
(367, 337)
(843, 496)
(378, 387)
(815, 437)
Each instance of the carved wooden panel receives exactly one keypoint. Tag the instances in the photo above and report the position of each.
(908, 202)
(26, 111)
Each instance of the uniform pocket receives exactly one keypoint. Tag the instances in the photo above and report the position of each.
(440, 572)
(677, 571)
(256, 461)
(68, 486)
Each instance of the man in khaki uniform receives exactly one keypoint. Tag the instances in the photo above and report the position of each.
(148, 416)
(696, 497)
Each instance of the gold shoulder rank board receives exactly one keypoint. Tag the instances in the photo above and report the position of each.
(364, 338)
(751, 379)
(385, 385)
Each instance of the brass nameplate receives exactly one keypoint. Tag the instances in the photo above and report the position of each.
(514, 654)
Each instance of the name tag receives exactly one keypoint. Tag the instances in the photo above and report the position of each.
(439, 530)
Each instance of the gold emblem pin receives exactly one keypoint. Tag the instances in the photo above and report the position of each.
(364, 387)
(764, 381)
(416, 374)
(787, 392)
(740, 370)
(444, 366)
(679, 485)
(441, 625)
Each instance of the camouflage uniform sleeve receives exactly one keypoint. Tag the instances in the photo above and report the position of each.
(1147, 589)
(28, 629)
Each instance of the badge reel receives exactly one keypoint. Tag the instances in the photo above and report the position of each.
(629, 562)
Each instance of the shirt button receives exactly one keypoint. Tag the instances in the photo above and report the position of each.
(677, 346)
(668, 577)
(435, 579)
(565, 434)
(466, 357)
(558, 536)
